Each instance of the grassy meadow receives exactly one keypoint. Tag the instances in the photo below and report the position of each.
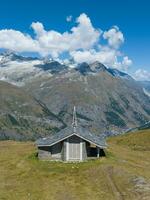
(124, 174)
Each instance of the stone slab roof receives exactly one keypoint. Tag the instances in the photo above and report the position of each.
(69, 131)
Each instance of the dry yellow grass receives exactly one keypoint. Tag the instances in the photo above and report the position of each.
(123, 174)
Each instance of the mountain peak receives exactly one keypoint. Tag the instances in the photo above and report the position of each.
(84, 68)
(97, 67)
(8, 53)
(12, 56)
(14, 62)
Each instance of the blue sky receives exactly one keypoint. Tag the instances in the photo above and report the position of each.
(131, 16)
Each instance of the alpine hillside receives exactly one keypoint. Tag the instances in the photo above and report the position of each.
(22, 117)
(106, 98)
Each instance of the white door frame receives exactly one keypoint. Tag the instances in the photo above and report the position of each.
(81, 149)
(67, 149)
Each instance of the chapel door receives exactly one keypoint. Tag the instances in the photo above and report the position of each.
(74, 150)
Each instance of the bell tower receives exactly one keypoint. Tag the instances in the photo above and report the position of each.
(74, 121)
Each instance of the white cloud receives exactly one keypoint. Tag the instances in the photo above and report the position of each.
(107, 56)
(69, 18)
(126, 61)
(83, 36)
(114, 36)
(124, 64)
(142, 75)
(17, 41)
(82, 43)
(38, 28)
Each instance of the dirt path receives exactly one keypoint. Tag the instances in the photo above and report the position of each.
(109, 172)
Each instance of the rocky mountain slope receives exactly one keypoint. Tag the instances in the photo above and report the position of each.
(106, 99)
(22, 117)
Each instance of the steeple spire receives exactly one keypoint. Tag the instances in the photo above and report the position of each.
(74, 121)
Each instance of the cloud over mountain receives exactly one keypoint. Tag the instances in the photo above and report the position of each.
(142, 75)
(114, 36)
(82, 43)
(83, 36)
(17, 41)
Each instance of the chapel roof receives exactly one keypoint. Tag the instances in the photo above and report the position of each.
(69, 131)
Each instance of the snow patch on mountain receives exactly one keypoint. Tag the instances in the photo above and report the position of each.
(146, 92)
(18, 73)
(19, 70)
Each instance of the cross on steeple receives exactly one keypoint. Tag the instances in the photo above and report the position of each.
(74, 121)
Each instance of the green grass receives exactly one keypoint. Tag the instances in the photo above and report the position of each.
(23, 176)
(136, 141)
